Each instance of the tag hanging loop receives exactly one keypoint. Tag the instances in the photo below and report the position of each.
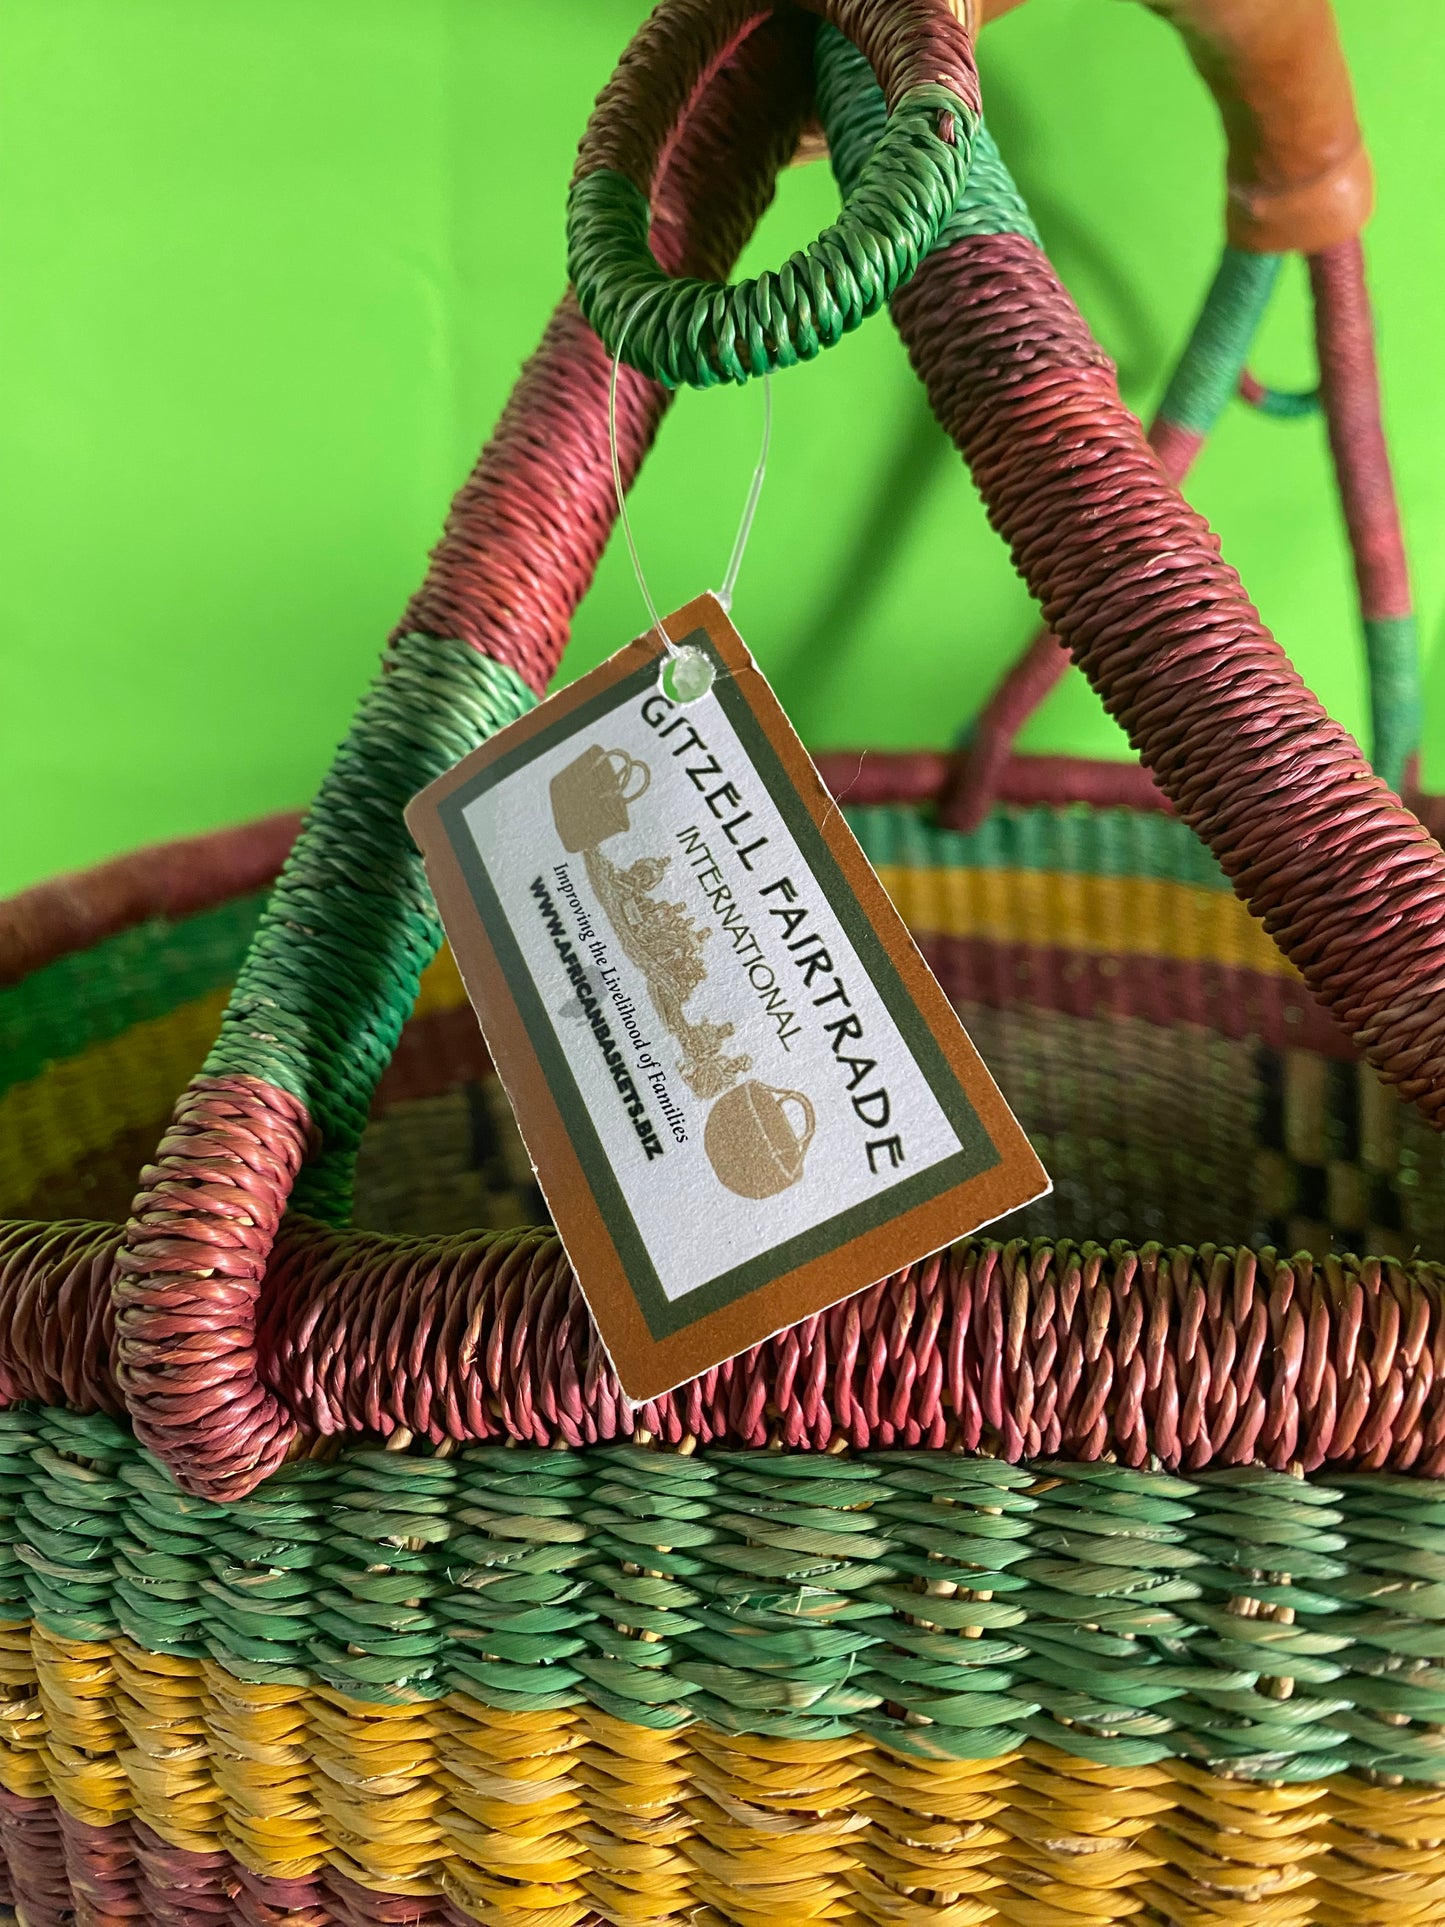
(687, 674)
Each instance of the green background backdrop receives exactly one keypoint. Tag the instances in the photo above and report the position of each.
(267, 268)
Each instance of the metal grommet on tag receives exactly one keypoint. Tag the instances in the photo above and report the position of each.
(686, 675)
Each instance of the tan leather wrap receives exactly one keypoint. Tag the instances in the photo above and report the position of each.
(1299, 177)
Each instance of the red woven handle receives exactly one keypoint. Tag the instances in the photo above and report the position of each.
(908, 43)
(1347, 881)
(522, 541)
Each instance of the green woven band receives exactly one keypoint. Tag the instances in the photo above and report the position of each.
(134, 977)
(700, 333)
(1397, 709)
(1209, 369)
(1276, 1628)
(851, 107)
(1287, 404)
(1079, 841)
(333, 972)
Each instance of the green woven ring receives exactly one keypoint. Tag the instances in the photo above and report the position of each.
(1286, 405)
(854, 115)
(699, 333)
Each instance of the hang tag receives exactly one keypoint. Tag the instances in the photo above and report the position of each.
(744, 1093)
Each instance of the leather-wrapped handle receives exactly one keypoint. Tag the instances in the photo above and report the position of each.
(1298, 175)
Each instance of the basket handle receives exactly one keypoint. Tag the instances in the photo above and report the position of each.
(334, 968)
(1204, 379)
(1348, 882)
(702, 332)
(1298, 175)
(333, 971)
(1350, 393)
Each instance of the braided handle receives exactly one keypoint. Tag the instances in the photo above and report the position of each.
(334, 968)
(1210, 370)
(1347, 881)
(701, 332)
(1298, 179)
(1204, 378)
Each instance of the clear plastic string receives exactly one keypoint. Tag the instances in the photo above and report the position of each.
(750, 507)
(668, 644)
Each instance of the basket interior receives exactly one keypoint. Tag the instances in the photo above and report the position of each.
(1177, 1080)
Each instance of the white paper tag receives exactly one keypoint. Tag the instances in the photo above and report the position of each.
(744, 1093)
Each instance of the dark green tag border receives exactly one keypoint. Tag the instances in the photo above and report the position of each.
(665, 1317)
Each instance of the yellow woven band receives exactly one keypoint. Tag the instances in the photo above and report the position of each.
(533, 1818)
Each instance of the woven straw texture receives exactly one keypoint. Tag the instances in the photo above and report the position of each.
(1091, 1576)
(640, 1684)
(535, 1684)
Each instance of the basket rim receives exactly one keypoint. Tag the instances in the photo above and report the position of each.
(183, 875)
(176, 878)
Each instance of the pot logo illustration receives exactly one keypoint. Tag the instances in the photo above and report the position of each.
(752, 1142)
(590, 797)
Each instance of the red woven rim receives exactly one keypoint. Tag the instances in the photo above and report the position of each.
(182, 878)
(195, 873)
(1187, 1358)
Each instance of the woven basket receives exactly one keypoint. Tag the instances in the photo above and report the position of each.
(1085, 1577)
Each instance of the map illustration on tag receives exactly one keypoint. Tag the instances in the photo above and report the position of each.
(743, 1091)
